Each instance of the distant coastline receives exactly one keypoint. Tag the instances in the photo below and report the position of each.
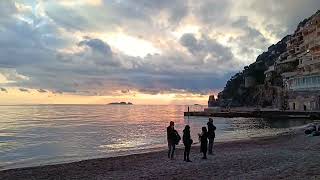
(120, 103)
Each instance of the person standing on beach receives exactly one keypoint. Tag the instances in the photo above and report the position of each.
(187, 141)
(211, 134)
(172, 138)
(204, 142)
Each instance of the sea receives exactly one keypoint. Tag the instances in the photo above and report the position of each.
(33, 135)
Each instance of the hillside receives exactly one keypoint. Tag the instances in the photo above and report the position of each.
(251, 87)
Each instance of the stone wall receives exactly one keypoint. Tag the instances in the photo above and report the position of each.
(304, 101)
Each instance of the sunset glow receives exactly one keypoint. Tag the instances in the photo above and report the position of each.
(145, 52)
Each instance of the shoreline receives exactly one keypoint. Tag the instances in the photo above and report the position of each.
(268, 114)
(280, 156)
(50, 162)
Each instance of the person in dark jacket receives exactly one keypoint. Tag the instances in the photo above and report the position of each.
(211, 134)
(172, 138)
(187, 141)
(204, 142)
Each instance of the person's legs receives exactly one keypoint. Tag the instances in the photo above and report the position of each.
(173, 147)
(204, 155)
(185, 153)
(210, 145)
(204, 151)
(169, 150)
(188, 152)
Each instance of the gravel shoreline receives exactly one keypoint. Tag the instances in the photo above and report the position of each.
(291, 155)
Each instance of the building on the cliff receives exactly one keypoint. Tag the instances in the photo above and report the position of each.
(212, 102)
(269, 73)
(284, 77)
(302, 84)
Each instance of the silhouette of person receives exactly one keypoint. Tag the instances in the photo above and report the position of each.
(211, 134)
(204, 142)
(187, 141)
(171, 137)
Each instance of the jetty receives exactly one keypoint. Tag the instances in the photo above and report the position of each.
(270, 114)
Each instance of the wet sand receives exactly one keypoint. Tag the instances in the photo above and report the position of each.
(291, 155)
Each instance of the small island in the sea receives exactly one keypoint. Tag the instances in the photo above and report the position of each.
(120, 103)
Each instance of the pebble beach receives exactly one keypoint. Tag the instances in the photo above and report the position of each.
(290, 155)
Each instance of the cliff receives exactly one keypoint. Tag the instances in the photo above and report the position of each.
(243, 88)
(252, 86)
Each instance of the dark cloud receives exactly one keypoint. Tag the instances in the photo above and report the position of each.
(3, 89)
(24, 90)
(97, 45)
(42, 91)
(125, 91)
(100, 53)
(189, 41)
(206, 49)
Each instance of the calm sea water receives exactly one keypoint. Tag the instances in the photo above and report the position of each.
(47, 134)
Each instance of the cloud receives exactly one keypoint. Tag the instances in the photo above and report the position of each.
(282, 16)
(8, 8)
(98, 51)
(61, 46)
(213, 12)
(42, 91)
(125, 91)
(24, 90)
(97, 45)
(250, 41)
(206, 49)
(3, 89)
(57, 92)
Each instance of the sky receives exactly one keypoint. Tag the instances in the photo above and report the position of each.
(143, 51)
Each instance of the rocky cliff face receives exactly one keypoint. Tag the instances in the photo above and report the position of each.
(250, 87)
(238, 92)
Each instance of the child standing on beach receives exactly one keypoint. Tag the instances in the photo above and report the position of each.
(187, 141)
(204, 142)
